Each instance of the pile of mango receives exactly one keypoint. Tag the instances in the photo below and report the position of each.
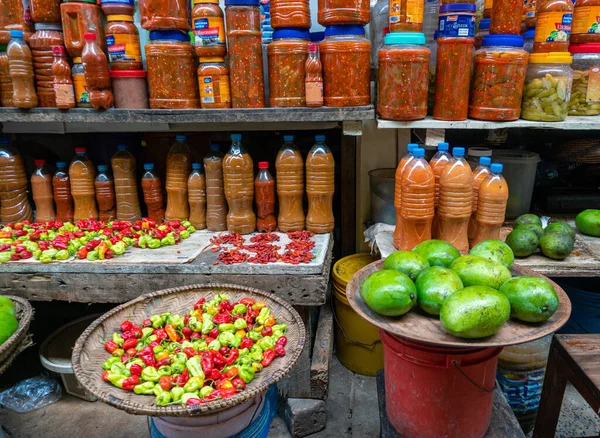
(556, 241)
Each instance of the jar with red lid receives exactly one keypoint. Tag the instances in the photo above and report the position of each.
(164, 14)
(77, 19)
(553, 26)
(287, 56)
(290, 13)
(209, 28)
(123, 43)
(213, 82)
(586, 22)
(130, 89)
(45, 11)
(41, 42)
(171, 64)
(346, 59)
(585, 94)
(333, 12)
(117, 7)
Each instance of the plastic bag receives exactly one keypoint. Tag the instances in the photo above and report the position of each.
(31, 394)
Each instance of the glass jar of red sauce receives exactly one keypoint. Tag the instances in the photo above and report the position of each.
(332, 12)
(553, 26)
(78, 19)
(506, 17)
(45, 11)
(287, 58)
(498, 78)
(213, 81)
(209, 29)
(123, 42)
(290, 13)
(244, 41)
(403, 77)
(171, 64)
(586, 22)
(346, 59)
(117, 7)
(484, 29)
(406, 15)
(164, 14)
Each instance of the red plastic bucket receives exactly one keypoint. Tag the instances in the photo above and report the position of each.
(438, 392)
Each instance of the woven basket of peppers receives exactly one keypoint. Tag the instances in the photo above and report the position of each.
(189, 350)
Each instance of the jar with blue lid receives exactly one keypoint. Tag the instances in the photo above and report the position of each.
(457, 21)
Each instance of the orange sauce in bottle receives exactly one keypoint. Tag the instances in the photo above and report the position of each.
(197, 197)
(313, 82)
(479, 175)
(61, 186)
(20, 63)
(264, 188)
(41, 191)
(123, 167)
(398, 230)
(216, 204)
(105, 194)
(290, 186)
(83, 175)
(491, 205)
(179, 165)
(320, 172)
(153, 195)
(63, 83)
(238, 176)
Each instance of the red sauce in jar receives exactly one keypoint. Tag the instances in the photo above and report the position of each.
(123, 41)
(213, 81)
(506, 17)
(78, 19)
(586, 19)
(332, 12)
(45, 11)
(209, 29)
(290, 13)
(553, 26)
(164, 14)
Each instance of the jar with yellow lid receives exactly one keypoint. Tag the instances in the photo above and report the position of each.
(209, 28)
(547, 87)
(123, 43)
(213, 82)
(82, 98)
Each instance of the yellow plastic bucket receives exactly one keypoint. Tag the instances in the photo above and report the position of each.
(357, 341)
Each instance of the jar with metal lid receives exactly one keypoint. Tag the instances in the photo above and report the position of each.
(498, 78)
(209, 28)
(553, 26)
(82, 97)
(290, 13)
(528, 37)
(586, 22)
(45, 11)
(333, 12)
(6, 88)
(213, 81)
(46, 35)
(406, 15)
(585, 94)
(130, 89)
(287, 56)
(484, 29)
(171, 64)
(403, 77)
(164, 14)
(123, 43)
(345, 55)
(117, 7)
(78, 19)
(547, 87)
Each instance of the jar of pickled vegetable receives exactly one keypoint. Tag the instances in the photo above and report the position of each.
(586, 22)
(585, 94)
(244, 40)
(286, 58)
(209, 28)
(78, 19)
(123, 42)
(332, 12)
(484, 29)
(213, 81)
(506, 17)
(45, 11)
(553, 26)
(82, 97)
(290, 13)
(498, 78)
(547, 87)
(345, 55)
(487, 8)
(164, 14)
(528, 37)
(403, 77)
(406, 15)
(171, 64)
(530, 14)
(117, 7)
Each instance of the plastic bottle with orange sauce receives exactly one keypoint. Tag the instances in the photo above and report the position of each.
(320, 187)
(438, 163)
(179, 165)
(77, 19)
(14, 205)
(456, 200)
(264, 189)
(21, 71)
(491, 205)
(123, 167)
(153, 195)
(197, 197)
(313, 81)
(105, 194)
(289, 167)
(216, 204)
(398, 230)
(238, 178)
(479, 175)
(63, 83)
(553, 26)
(41, 191)
(97, 76)
(61, 187)
(83, 174)
(6, 88)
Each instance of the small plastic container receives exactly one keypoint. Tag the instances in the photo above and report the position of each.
(553, 26)
(130, 89)
(547, 87)
(213, 81)
(209, 28)
(484, 29)
(528, 37)
(117, 7)
(586, 22)
(506, 17)
(123, 43)
(585, 94)
(82, 97)
(290, 13)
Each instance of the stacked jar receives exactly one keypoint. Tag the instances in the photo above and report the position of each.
(79, 18)
(46, 35)
(585, 94)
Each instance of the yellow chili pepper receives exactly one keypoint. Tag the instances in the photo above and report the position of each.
(162, 355)
(259, 328)
(259, 305)
(197, 313)
(270, 322)
(242, 333)
(172, 333)
(226, 385)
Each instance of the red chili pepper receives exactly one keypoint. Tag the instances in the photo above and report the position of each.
(233, 356)
(92, 244)
(163, 362)
(153, 344)
(213, 333)
(224, 350)
(193, 401)
(136, 369)
(20, 233)
(128, 335)
(147, 323)
(160, 334)
(186, 319)
(225, 306)
(26, 254)
(222, 318)
(238, 384)
(130, 343)
(105, 375)
(268, 356)
(126, 326)
(195, 336)
(79, 234)
(218, 359)
(279, 350)
(165, 382)
(189, 352)
(187, 332)
(213, 395)
(247, 302)
(199, 303)
(109, 254)
(232, 372)
(4, 247)
(131, 352)
(110, 346)
(174, 224)
(281, 341)
(15, 257)
(183, 377)
(82, 252)
(43, 244)
(246, 343)
(215, 374)
(207, 363)
(149, 360)
(227, 392)
(267, 331)
(130, 382)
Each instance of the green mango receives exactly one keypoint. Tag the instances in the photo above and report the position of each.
(479, 271)
(389, 292)
(494, 250)
(532, 299)
(411, 263)
(434, 285)
(588, 222)
(437, 252)
(8, 325)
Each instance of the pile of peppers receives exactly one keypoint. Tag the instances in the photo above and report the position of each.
(86, 239)
(209, 354)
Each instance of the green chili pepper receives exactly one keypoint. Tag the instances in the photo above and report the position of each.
(226, 338)
(158, 389)
(185, 223)
(116, 379)
(118, 339)
(246, 373)
(184, 234)
(239, 309)
(194, 366)
(263, 315)
(163, 399)
(158, 349)
(146, 388)
(188, 395)
(205, 391)
(119, 368)
(256, 355)
(281, 327)
(214, 345)
(180, 357)
(146, 331)
(177, 367)
(266, 342)
(165, 370)
(154, 243)
(168, 240)
(157, 321)
(176, 321)
(194, 384)
(92, 256)
(257, 366)
(177, 393)
(119, 248)
(253, 335)
(200, 345)
(138, 361)
(150, 374)
(207, 324)
(236, 341)
(109, 362)
(186, 344)
(191, 229)
(240, 324)
(194, 324)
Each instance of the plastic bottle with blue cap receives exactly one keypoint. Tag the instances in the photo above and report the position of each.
(41, 192)
(124, 169)
(320, 187)
(491, 205)
(61, 188)
(479, 174)
(398, 231)
(179, 166)
(456, 201)
(82, 173)
(216, 205)
(238, 178)
(197, 196)
(105, 193)
(20, 63)
(418, 191)
(289, 166)
(438, 163)
(153, 193)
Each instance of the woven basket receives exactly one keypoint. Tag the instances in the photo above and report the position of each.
(24, 314)
(89, 354)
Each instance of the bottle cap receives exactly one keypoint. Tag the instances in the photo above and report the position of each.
(242, 3)
(196, 166)
(210, 59)
(127, 73)
(236, 137)
(215, 147)
(128, 18)
(122, 147)
(485, 24)
(102, 167)
(485, 161)
(61, 164)
(80, 151)
(411, 147)
(319, 138)
(263, 164)
(503, 40)
(180, 138)
(443, 146)
(39, 163)
(148, 166)
(458, 7)
(313, 47)
(16, 34)
(418, 152)
(528, 34)
(584, 48)
(404, 38)
(458, 152)
(58, 50)
(89, 36)
(496, 168)
(550, 58)
(288, 138)
(315, 37)
(291, 32)
(176, 35)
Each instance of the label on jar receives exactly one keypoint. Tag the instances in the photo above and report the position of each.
(207, 90)
(81, 89)
(65, 94)
(314, 92)
(553, 27)
(452, 26)
(412, 14)
(123, 47)
(209, 31)
(593, 89)
(586, 19)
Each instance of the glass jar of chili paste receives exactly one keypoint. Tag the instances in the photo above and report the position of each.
(244, 41)
(77, 19)
(117, 7)
(290, 13)
(586, 22)
(123, 42)
(484, 29)
(553, 26)
(498, 78)
(345, 55)
(164, 14)
(45, 11)
(171, 64)
(585, 95)
(332, 12)
(406, 15)
(209, 28)
(213, 81)
(287, 56)
(506, 17)
(403, 77)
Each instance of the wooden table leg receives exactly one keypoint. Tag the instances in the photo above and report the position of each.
(553, 391)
